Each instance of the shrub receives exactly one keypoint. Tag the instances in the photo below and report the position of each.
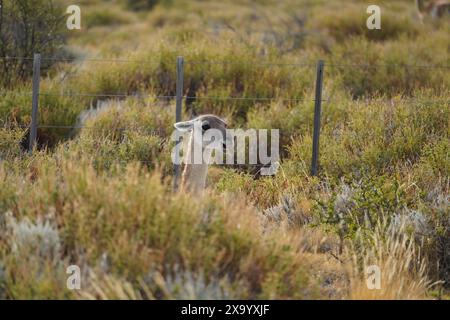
(27, 27)
(374, 137)
(41, 238)
(207, 84)
(403, 268)
(10, 143)
(383, 68)
(105, 18)
(349, 20)
(362, 205)
(125, 131)
(181, 285)
(34, 266)
(133, 218)
(138, 5)
(54, 110)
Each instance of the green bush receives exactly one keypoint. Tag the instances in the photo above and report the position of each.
(349, 20)
(105, 18)
(28, 27)
(123, 132)
(366, 68)
(374, 137)
(139, 5)
(362, 205)
(241, 76)
(54, 110)
(10, 142)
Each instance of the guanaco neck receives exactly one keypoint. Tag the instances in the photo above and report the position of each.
(194, 175)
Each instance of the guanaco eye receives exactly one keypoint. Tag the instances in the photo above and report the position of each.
(205, 126)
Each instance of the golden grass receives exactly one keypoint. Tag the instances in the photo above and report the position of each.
(403, 269)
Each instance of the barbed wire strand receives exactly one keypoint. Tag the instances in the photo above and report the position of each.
(76, 127)
(106, 95)
(386, 66)
(243, 98)
(267, 64)
(54, 59)
(169, 97)
(258, 98)
(7, 126)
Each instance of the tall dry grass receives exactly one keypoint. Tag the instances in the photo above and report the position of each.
(395, 252)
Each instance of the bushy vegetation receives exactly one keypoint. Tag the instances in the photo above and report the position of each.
(27, 27)
(97, 192)
(144, 5)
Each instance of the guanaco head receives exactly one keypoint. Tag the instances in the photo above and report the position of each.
(209, 132)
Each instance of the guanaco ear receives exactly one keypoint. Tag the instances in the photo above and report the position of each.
(184, 126)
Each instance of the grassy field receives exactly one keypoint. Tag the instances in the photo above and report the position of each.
(100, 197)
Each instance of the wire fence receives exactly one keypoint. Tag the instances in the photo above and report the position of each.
(179, 97)
(155, 131)
(389, 65)
(206, 62)
(100, 60)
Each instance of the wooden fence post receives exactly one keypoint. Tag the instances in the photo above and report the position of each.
(35, 100)
(178, 113)
(317, 112)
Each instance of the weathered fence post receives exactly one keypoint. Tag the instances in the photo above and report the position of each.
(35, 100)
(317, 112)
(178, 112)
